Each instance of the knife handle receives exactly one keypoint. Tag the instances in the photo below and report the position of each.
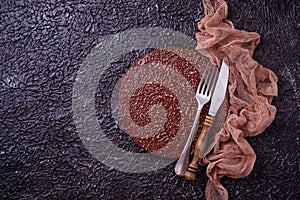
(190, 175)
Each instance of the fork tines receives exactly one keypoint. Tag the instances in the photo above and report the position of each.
(208, 81)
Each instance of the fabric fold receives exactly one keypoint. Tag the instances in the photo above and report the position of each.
(251, 89)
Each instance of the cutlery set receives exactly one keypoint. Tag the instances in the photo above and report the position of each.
(212, 87)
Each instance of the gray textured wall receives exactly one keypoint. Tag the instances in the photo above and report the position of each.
(43, 43)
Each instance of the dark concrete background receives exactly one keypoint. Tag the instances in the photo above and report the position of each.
(43, 43)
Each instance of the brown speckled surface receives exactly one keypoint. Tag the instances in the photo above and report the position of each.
(43, 43)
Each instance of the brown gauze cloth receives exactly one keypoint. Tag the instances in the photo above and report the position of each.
(251, 88)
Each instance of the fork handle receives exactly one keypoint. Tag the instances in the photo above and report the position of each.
(183, 161)
(190, 175)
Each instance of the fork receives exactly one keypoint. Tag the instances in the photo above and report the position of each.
(203, 95)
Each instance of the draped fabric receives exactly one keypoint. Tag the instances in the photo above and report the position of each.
(251, 89)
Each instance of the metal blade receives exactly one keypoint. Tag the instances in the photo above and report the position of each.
(216, 102)
(220, 89)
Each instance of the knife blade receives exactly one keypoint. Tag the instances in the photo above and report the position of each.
(220, 89)
(216, 102)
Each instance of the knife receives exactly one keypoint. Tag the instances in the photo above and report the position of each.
(216, 102)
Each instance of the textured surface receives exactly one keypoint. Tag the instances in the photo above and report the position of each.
(251, 89)
(42, 46)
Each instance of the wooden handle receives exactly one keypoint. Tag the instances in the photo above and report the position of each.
(190, 175)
